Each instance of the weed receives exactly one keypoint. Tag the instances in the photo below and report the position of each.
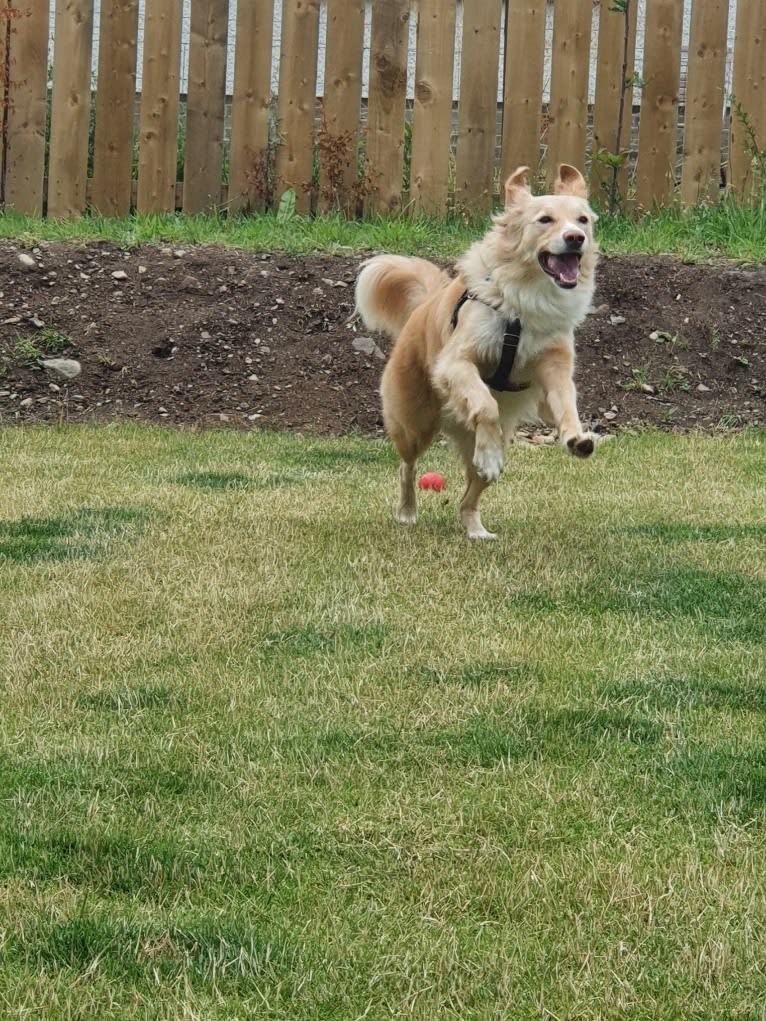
(675, 378)
(54, 343)
(26, 352)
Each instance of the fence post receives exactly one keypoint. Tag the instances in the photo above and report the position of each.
(297, 99)
(749, 92)
(206, 103)
(568, 121)
(384, 154)
(250, 168)
(523, 85)
(70, 109)
(115, 109)
(477, 106)
(160, 100)
(703, 109)
(658, 119)
(432, 107)
(341, 108)
(25, 113)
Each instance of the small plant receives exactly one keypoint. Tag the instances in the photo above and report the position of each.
(751, 145)
(639, 379)
(616, 159)
(674, 379)
(26, 351)
(54, 343)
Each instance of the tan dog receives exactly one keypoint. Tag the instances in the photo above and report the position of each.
(476, 355)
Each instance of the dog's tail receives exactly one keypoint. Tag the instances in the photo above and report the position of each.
(390, 288)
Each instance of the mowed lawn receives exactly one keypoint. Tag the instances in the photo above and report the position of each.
(266, 754)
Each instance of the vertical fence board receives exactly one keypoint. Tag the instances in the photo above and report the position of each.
(568, 119)
(115, 109)
(27, 95)
(70, 109)
(523, 85)
(386, 105)
(297, 99)
(703, 120)
(658, 124)
(610, 77)
(206, 105)
(432, 107)
(251, 105)
(158, 130)
(749, 93)
(339, 133)
(477, 106)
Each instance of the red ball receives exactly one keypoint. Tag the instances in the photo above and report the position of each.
(432, 480)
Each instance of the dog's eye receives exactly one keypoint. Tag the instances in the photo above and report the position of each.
(545, 219)
(584, 219)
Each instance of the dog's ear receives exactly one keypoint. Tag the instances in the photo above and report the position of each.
(570, 182)
(516, 186)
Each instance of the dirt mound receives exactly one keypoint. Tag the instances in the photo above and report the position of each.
(209, 335)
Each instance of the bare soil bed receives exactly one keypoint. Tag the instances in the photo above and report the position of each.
(209, 335)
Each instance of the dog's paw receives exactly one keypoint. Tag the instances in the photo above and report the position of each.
(488, 462)
(583, 445)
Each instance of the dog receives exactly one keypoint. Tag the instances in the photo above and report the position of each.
(477, 354)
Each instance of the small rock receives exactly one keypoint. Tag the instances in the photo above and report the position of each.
(27, 261)
(119, 274)
(702, 389)
(647, 388)
(26, 403)
(610, 415)
(367, 346)
(616, 320)
(67, 368)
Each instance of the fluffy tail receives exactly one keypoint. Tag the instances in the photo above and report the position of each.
(390, 288)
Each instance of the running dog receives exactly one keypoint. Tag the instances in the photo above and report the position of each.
(477, 354)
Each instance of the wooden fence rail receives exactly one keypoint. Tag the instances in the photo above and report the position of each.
(403, 127)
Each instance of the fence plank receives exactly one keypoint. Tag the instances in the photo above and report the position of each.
(115, 109)
(658, 124)
(610, 76)
(749, 92)
(568, 115)
(297, 99)
(249, 168)
(339, 133)
(27, 99)
(523, 86)
(70, 109)
(701, 168)
(386, 105)
(477, 106)
(206, 105)
(432, 107)
(158, 128)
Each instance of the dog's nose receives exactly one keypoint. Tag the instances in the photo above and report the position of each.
(574, 240)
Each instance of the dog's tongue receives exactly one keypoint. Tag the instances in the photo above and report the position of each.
(566, 267)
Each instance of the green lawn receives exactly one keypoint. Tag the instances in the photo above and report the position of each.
(266, 754)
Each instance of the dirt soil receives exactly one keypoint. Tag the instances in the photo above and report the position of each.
(208, 335)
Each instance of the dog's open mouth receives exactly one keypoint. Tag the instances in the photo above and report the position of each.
(565, 269)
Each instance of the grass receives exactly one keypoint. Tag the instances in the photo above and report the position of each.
(265, 754)
(725, 230)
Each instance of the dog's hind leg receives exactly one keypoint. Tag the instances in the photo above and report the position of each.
(410, 446)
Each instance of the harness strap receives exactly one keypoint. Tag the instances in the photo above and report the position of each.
(499, 380)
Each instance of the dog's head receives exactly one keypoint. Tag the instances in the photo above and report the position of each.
(553, 233)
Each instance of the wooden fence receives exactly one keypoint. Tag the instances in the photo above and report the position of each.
(91, 140)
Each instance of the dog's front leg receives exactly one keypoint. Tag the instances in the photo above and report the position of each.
(555, 372)
(473, 407)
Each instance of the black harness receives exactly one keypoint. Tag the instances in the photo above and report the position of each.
(499, 380)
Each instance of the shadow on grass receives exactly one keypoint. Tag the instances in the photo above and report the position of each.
(83, 534)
